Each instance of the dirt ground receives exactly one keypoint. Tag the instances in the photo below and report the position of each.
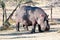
(26, 35)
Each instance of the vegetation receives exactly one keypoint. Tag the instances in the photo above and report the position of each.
(6, 23)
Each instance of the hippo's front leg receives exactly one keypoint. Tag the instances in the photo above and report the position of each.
(39, 28)
(34, 27)
(41, 24)
(47, 26)
(17, 26)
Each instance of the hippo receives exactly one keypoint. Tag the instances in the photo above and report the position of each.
(30, 16)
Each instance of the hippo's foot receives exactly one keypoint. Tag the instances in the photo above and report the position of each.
(39, 28)
(41, 31)
(33, 31)
(17, 30)
(47, 29)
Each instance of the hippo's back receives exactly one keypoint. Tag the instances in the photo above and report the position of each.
(29, 13)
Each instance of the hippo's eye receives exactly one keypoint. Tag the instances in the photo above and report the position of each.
(42, 15)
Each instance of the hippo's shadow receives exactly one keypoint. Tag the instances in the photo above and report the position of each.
(15, 33)
(18, 35)
(28, 32)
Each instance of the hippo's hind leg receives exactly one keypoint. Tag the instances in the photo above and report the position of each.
(17, 26)
(25, 27)
(29, 23)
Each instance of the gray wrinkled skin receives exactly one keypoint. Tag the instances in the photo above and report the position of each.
(28, 14)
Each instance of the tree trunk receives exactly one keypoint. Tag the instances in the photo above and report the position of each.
(51, 13)
(12, 13)
(14, 10)
(5, 14)
(3, 17)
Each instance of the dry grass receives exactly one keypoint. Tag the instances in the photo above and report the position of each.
(52, 23)
(12, 21)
